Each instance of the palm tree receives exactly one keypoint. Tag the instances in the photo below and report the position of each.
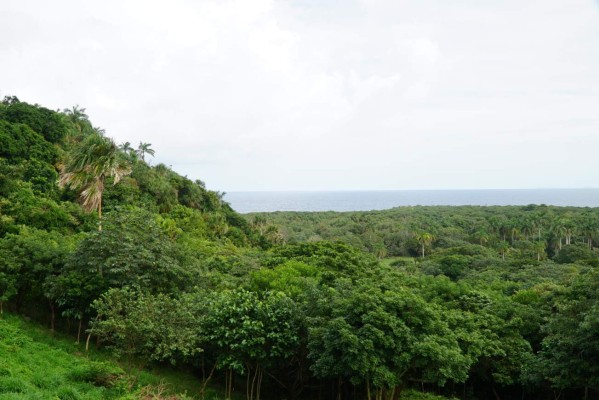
(504, 248)
(143, 149)
(482, 236)
(425, 239)
(127, 149)
(540, 247)
(558, 229)
(88, 165)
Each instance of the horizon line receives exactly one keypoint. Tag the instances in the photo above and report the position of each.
(401, 190)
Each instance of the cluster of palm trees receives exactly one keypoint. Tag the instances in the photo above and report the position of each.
(140, 152)
(540, 232)
(93, 160)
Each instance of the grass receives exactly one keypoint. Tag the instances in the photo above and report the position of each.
(37, 364)
(403, 261)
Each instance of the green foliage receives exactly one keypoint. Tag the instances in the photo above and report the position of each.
(385, 337)
(36, 369)
(293, 278)
(574, 253)
(19, 142)
(29, 263)
(132, 249)
(244, 328)
(146, 327)
(333, 259)
(571, 346)
(45, 122)
(26, 207)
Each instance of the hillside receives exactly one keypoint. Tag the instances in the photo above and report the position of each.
(35, 363)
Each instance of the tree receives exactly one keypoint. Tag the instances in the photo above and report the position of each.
(570, 349)
(127, 149)
(87, 167)
(138, 325)
(384, 339)
(47, 123)
(425, 239)
(143, 149)
(504, 248)
(132, 250)
(29, 261)
(250, 334)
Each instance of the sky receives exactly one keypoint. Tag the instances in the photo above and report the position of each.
(325, 94)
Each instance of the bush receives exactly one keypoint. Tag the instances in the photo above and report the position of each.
(68, 393)
(573, 253)
(98, 374)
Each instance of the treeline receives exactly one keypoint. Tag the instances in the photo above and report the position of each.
(158, 269)
(531, 232)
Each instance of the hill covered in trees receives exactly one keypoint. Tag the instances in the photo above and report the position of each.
(411, 303)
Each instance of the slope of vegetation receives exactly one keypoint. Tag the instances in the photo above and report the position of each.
(138, 261)
(35, 364)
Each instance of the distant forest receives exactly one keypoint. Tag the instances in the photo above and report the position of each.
(412, 303)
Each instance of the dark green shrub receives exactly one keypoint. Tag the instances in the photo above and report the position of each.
(98, 374)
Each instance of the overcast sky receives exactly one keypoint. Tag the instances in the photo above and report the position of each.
(325, 94)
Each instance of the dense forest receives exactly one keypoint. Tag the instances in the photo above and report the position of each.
(412, 303)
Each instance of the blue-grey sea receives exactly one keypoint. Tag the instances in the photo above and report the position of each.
(246, 202)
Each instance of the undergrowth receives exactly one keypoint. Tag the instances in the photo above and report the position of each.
(38, 364)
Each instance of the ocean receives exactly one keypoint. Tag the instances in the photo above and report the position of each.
(247, 202)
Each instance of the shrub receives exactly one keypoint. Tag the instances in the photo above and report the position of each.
(98, 374)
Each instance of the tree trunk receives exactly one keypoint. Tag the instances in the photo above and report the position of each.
(247, 382)
(259, 387)
(89, 336)
(251, 389)
(100, 215)
(230, 390)
(206, 380)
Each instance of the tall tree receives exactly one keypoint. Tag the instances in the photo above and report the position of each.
(87, 167)
(425, 239)
(143, 149)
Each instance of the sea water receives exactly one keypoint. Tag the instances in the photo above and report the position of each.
(246, 202)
